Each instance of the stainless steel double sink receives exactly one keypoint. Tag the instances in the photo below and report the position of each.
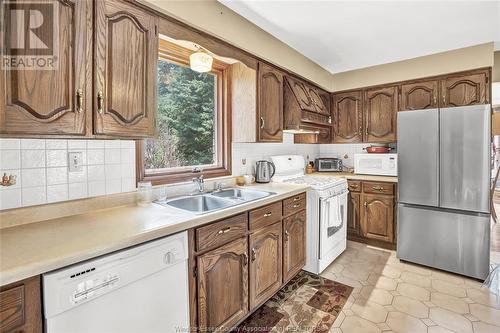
(208, 202)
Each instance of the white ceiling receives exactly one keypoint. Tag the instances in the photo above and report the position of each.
(346, 35)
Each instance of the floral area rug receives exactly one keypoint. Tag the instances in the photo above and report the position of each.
(308, 303)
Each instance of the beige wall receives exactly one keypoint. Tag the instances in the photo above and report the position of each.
(218, 20)
(435, 64)
(496, 67)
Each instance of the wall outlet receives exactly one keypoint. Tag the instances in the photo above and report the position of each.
(75, 161)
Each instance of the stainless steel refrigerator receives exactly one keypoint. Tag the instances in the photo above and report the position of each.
(443, 188)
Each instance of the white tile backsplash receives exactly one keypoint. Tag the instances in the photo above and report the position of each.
(77, 191)
(33, 177)
(41, 167)
(57, 158)
(10, 159)
(56, 176)
(252, 152)
(112, 156)
(10, 144)
(32, 144)
(95, 156)
(32, 159)
(10, 198)
(34, 195)
(56, 193)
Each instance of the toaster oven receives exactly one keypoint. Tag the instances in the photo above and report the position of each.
(328, 164)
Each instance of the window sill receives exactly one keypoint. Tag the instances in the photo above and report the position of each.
(176, 178)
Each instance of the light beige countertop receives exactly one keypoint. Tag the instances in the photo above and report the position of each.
(353, 176)
(35, 248)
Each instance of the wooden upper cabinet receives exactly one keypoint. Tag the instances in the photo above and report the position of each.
(126, 54)
(294, 244)
(301, 94)
(223, 286)
(270, 108)
(377, 217)
(419, 95)
(347, 110)
(55, 101)
(265, 264)
(381, 106)
(462, 90)
(318, 102)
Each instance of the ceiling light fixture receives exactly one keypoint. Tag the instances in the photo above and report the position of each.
(201, 61)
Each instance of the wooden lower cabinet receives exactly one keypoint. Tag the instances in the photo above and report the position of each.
(371, 216)
(294, 246)
(232, 276)
(20, 307)
(265, 263)
(223, 286)
(377, 217)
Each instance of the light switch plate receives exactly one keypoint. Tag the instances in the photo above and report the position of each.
(75, 161)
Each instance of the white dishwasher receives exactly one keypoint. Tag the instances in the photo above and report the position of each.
(141, 289)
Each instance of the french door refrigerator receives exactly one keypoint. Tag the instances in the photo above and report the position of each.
(443, 182)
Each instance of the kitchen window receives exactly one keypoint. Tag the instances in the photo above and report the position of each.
(192, 123)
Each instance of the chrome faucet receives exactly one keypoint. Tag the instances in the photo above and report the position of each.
(200, 182)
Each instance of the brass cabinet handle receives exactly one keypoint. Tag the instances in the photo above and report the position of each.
(354, 185)
(286, 235)
(444, 99)
(296, 205)
(254, 254)
(268, 214)
(366, 131)
(223, 231)
(79, 100)
(296, 199)
(378, 188)
(245, 259)
(435, 100)
(100, 102)
(261, 122)
(365, 204)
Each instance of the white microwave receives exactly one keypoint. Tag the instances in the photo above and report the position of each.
(376, 164)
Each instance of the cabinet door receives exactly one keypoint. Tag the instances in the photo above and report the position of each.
(377, 217)
(318, 102)
(270, 111)
(353, 213)
(20, 307)
(223, 286)
(419, 95)
(52, 101)
(348, 117)
(381, 106)
(265, 263)
(126, 54)
(294, 244)
(301, 94)
(465, 89)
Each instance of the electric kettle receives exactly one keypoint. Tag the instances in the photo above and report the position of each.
(264, 171)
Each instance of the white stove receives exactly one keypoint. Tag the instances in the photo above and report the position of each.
(326, 211)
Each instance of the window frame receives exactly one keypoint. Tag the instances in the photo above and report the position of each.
(174, 53)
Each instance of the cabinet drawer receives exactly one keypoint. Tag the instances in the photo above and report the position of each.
(221, 232)
(265, 216)
(354, 186)
(12, 308)
(378, 188)
(294, 204)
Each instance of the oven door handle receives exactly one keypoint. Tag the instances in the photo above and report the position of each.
(344, 193)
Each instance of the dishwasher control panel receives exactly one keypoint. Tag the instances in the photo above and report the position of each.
(81, 283)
